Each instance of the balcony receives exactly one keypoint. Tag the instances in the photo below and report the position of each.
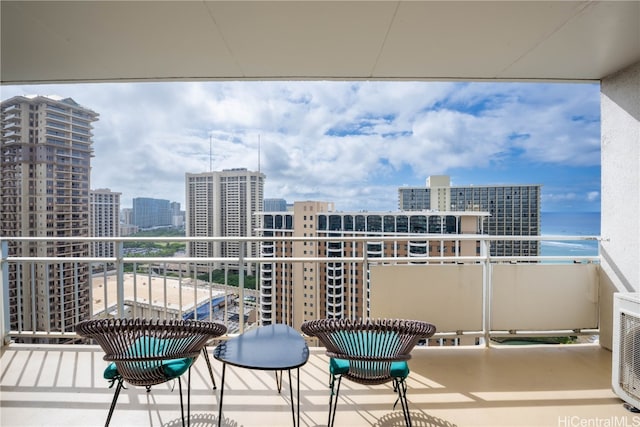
(12, 134)
(561, 385)
(11, 121)
(479, 382)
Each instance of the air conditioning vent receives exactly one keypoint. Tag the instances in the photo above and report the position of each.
(626, 347)
(630, 352)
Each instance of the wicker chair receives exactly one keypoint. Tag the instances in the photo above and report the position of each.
(149, 352)
(371, 351)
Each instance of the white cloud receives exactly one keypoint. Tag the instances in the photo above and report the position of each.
(350, 142)
(593, 196)
(561, 196)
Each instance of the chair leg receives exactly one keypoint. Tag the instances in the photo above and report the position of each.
(333, 404)
(113, 402)
(189, 399)
(224, 368)
(181, 404)
(206, 358)
(400, 386)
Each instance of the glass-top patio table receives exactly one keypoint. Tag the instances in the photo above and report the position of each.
(269, 348)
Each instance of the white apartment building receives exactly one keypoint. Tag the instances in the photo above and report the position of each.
(294, 292)
(222, 204)
(514, 209)
(126, 215)
(104, 206)
(44, 192)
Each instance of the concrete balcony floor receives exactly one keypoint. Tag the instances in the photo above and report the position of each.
(562, 386)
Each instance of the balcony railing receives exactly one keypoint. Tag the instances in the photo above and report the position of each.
(468, 297)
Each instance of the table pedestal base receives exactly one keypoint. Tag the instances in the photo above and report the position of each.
(278, 384)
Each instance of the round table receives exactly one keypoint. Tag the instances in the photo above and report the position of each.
(275, 347)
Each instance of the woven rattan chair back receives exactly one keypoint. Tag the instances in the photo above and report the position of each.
(369, 351)
(148, 352)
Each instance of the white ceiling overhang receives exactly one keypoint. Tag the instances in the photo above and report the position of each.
(84, 41)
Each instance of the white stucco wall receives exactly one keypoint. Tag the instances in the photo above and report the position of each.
(620, 112)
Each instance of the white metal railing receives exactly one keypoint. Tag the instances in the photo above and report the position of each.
(55, 292)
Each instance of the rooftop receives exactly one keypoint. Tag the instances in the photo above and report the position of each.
(176, 294)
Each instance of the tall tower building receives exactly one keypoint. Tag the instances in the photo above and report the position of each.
(149, 213)
(177, 215)
(104, 206)
(440, 197)
(293, 292)
(46, 148)
(126, 215)
(514, 209)
(126, 222)
(275, 205)
(223, 204)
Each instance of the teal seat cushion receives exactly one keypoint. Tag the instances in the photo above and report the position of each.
(171, 368)
(111, 372)
(399, 369)
(176, 367)
(338, 366)
(150, 346)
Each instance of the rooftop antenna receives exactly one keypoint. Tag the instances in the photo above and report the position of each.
(210, 154)
(258, 153)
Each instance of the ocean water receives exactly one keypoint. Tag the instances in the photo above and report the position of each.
(570, 224)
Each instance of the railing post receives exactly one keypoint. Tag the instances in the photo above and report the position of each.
(485, 252)
(226, 294)
(4, 284)
(366, 282)
(120, 278)
(241, 286)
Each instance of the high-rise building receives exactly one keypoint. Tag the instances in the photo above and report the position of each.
(104, 208)
(150, 213)
(293, 292)
(126, 222)
(275, 205)
(223, 204)
(514, 209)
(177, 215)
(126, 215)
(46, 149)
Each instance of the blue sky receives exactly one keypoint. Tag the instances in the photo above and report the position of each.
(353, 143)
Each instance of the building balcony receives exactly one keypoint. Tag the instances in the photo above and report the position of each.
(541, 385)
(565, 385)
(476, 303)
(12, 121)
(11, 134)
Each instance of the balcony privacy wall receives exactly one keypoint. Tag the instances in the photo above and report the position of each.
(540, 297)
